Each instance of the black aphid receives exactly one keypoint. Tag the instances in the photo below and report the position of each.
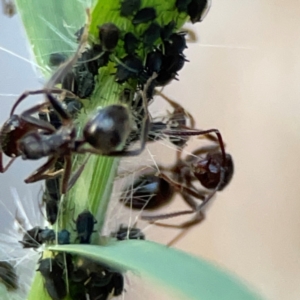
(52, 273)
(85, 226)
(95, 58)
(57, 59)
(198, 9)
(182, 5)
(130, 43)
(128, 233)
(103, 284)
(151, 34)
(173, 63)
(176, 44)
(144, 15)
(128, 7)
(109, 35)
(167, 30)
(37, 236)
(131, 67)
(154, 62)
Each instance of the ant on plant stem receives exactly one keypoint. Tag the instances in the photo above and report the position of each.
(214, 172)
(105, 132)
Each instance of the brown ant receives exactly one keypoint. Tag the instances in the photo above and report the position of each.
(105, 133)
(214, 172)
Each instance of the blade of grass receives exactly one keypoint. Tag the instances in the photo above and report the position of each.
(186, 276)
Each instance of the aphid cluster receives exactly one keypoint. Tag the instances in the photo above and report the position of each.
(37, 236)
(86, 279)
(148, 55)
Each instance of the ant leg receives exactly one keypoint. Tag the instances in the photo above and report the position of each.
(178, 109)
(59, 109)
(2, 167)
(64, 68)
(61, 71)
(39, 124)
(51, 175)
(184, 226)
(77, 173)
(166, 216)
(39, 173)
(37, 92)
(201, 132)
(199, 217)
(66, 175)
(42, 204)
(187, 194)
(203, 150)
(145, 122)
(200, 151)
(187, 190)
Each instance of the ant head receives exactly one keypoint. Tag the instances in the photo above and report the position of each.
(209, 170)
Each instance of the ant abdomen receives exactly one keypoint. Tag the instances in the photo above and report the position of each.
(148, 192)
(108, 129)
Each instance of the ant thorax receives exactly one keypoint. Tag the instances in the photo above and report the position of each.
(37, 145)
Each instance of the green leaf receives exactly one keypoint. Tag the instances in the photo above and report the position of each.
(4, 295)
(50, 26)
(186, 275)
